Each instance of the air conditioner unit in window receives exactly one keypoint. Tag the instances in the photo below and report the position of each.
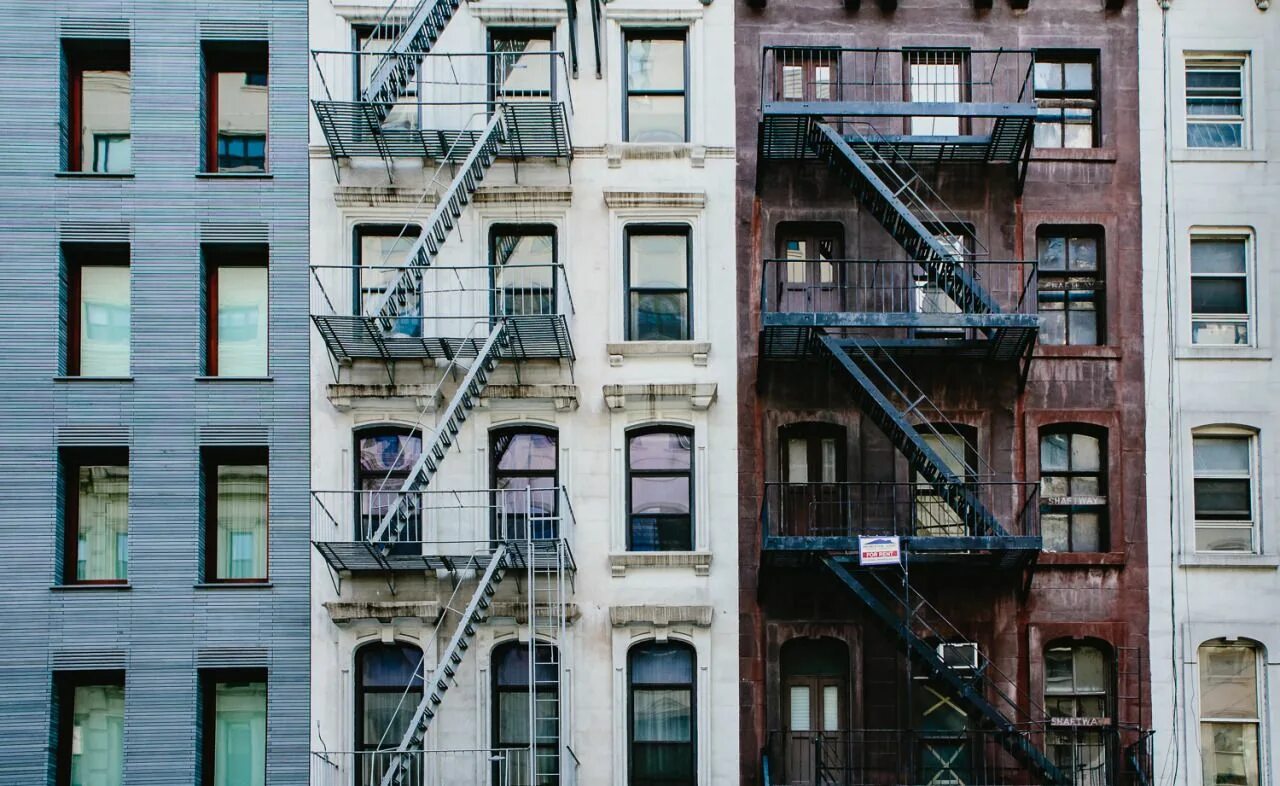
(959, 655)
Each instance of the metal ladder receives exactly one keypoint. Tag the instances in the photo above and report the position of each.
(408, 502)
(547, 581)
(888, 594)
(404, 292)
(397, 67)
(401, 766)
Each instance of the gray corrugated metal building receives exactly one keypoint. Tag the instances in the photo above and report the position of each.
(167, 623)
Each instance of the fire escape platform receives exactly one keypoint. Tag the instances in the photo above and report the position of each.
(1004, 552)
(985, 337)
(533, 337)
(353, 129)
(361, 557)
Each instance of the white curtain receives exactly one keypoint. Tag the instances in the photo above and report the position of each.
(242, 321)
(97, 736)
(102, 547)
(104, 321)
(242, 521)
(240, 741)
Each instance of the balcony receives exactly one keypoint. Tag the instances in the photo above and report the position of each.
(442, 107)
(926, 105)
(477, 767)
(899, 307)
(804, 518)
(444, 531)
(440, 317)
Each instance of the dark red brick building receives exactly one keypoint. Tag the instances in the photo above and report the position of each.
(941, 298)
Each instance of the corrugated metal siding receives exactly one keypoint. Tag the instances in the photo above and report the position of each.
(163, 628)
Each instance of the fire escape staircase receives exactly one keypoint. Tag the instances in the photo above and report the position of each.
(888, 594)
(396, 69)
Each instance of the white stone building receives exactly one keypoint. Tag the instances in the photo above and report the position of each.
(603, 283)
(1210, 114)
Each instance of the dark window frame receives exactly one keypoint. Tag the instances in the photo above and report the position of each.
(657, 229)
(959, 55)
(663, 428)
(224, 57)
(691, 686)
(808, 59)
(217, 256)
(494, 473)
(361, 652)
(64, 686)
(373, 229)
(1247, 240)
(358, 476)
(210, 459)
(1063, 97)
(629, 34)
(1066, 277)
(508, 229)
(70, 461)
(209, 679)
(76, 257)
(498, 690)
(80, 55)
(497, 32)
(1102, 474)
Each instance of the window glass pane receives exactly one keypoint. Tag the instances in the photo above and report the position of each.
(382, 453)
(240, 742)
(661, 664)
(1228, 682)
(656, 495)
(389, 666)
(1222, 499)
(659, 764)
(792, 82)
(1219, 333)
(1053, 253)
(1215, 134)
(1221, 454)
(662, 715)
(659, 316)
(1058, 674)
(1217, 256)
(797, 460)
(242, 321)
(513, 717)
(1216, 81)
(659, 261)
(660, 450)
(1219, 296)
(387, 714)
(1078, 76)
(799, 702)
(830, 708)
(524, 67)
(1090, 670)
(1083, 326)
(1054, 529)
(242, 521)
(1218, 538)
(1054, 452)
(105, 144)
(242, 121)
(1048, 134)
(1086, 453)
(661, 533)
(1086, 532)
(1048, 76)
(103, 523)
(524, 249)
(1053, 329)
(97, 735)
(1230, 753)
(524, 451)
(104, 321)
(659, 118)
(1084, 253)
(655, 64)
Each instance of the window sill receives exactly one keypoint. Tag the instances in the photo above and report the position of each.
(235, 379)
(95, 175)
(1100, 155)
(699, 561)
(234, 175)
(1218, 155)
(1081, 559)
(617, 152)
(1054, 351)
(79, 379)
(110, 587)
(1262, 561)
(697, 351)
(233, 585)
(1221, 353)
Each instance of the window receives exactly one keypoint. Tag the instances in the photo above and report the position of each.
(660, 724)
(1224, 494)
(656, 87)
(236, 501)
(1070, 286)
(97, 114)
(520, 70)
(90, 728)
(389, 679)
(1078, 701)
(814, 494)
(97, 310)
(1073, 491)
(525, 482)
(233, 727)
(810, 274)
(236, 107)
(1066, 87)
(1215, 101)
(236, 311)
(511, 713)
(660, 489)
(1229, 713)
(657, 270)
(1220, 290)
(807, 75)
(522, 261)
(380, 253)
(384, 459)
(937, 76)
(95, 509)
(407, 111)
(954, 447)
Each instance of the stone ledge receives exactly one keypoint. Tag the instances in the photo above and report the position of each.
(563, 397)
(661, 616)
(376, 196)
(524, 195)
(519, 611)
(699, 396)
(344, 396)
(382, 610)
(700, 561)
(697, 351)
(624, 198)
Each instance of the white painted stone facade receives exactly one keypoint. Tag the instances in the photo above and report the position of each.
(619, 598)
(1192, 389)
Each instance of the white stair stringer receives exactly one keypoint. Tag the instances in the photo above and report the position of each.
(434, 689)
(548, 587)
(398, 65)
(407, 506)
(404, 291)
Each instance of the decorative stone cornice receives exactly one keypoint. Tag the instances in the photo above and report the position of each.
(379, 196)
(382, 610)
(523, 16)
(695, 350)
(524, 195)
(700, 561)
(699, 395)
(519, 611)
(346, 396)
(563, 397)
(622, 198)
(661, 616)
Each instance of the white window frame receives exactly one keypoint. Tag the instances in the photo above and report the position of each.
(1255, 482)
(1259, 699)
(1247, 236)
(1217, 61)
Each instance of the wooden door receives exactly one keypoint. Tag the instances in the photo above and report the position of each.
(810, 277)
(813, 469)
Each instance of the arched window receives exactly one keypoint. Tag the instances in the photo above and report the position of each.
(525, 468)
(1073, 489)
(1225, 489)
(388, 691)
(384, 458)
(660, 682)
(955, 446)
(1230, 718)
(511, 715)
(660, 489)
(1077, 698)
